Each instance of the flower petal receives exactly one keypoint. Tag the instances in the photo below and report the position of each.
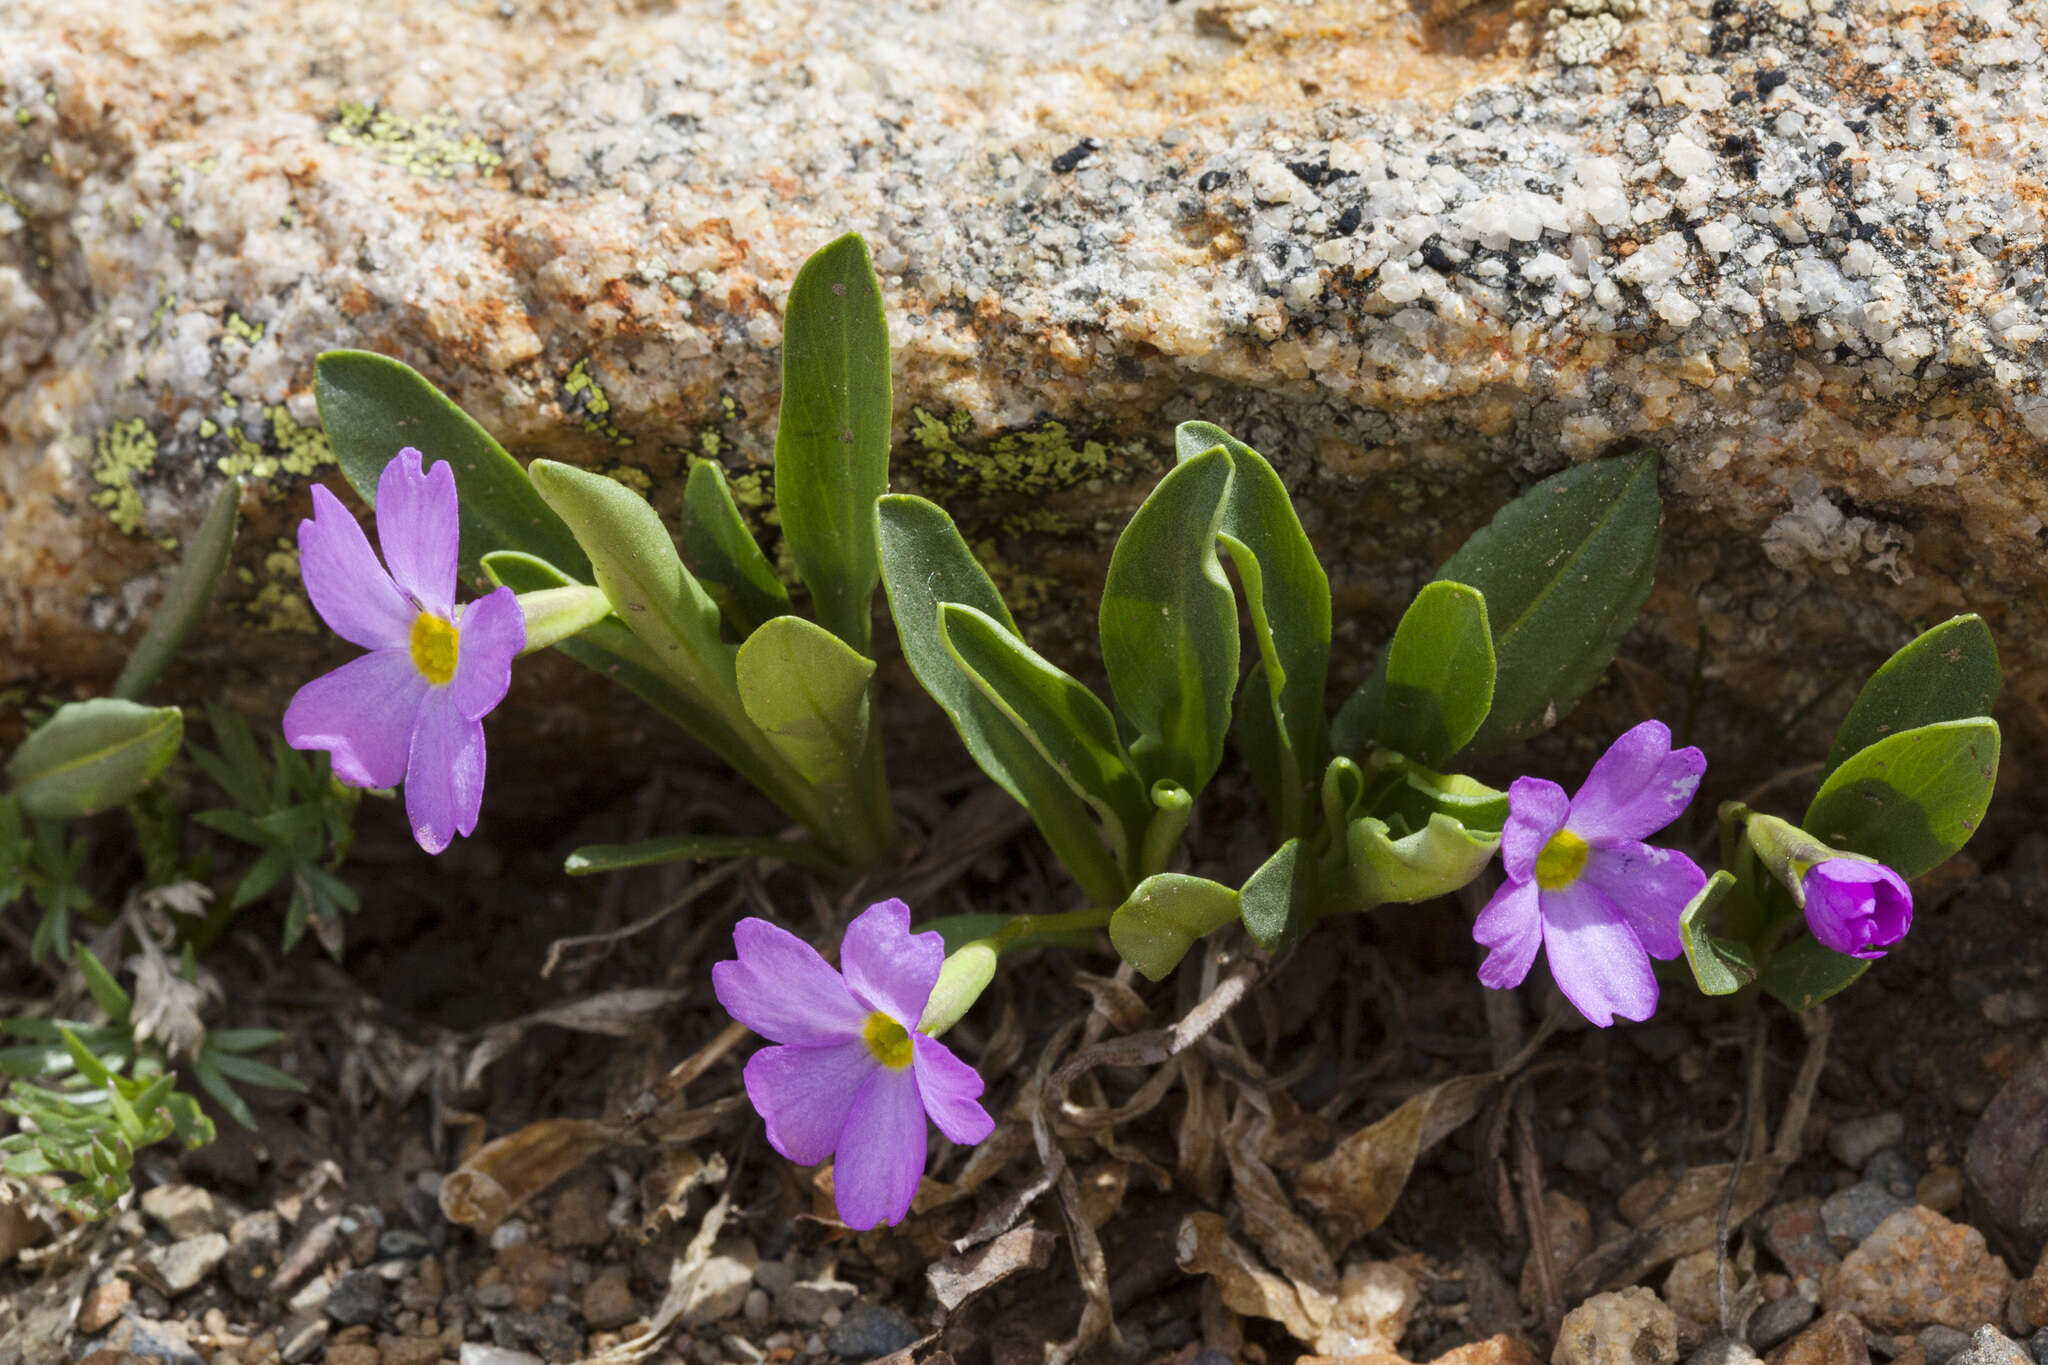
(349, 588)
(889, 968)
(444, 776)
(363, 714)
(1857, 907)
(881, 1150)
(1640, 785)
(492, 631)
(1511, 927)
(1536, 810)
(1650, 887)
(805, 1093)
(949, 1089)
(781, 989)
(420, 529)
(1595, 957)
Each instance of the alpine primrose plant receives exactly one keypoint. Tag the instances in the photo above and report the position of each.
(1582, 885)
(413, 707)
(852, 1075)
(1364, 806)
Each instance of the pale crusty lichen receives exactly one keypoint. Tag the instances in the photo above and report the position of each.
(433, 145)
(584, 390)
(299, 450)
(1038, 459)
(1583, 31)
(280, 603)
(120, 452)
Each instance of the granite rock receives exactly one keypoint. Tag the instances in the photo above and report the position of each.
(1918, 1269)
(1797, 245)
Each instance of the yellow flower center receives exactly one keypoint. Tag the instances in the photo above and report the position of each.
(888, 1041)
(434, 646)
(1561, 861)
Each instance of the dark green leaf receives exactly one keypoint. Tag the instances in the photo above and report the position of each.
(106, 992)
(1278, 903)
(832, 435)
(1169, 625)
(675, 848)
(1805, 972)
(1288, 595)
(199, 568)
(237, 1067)
(1911, 799)
(1439, 674)
(223, 1094)
(93, 755)
(243, 1039)
(1720, 966)
(925, 563)
(374, 406)
(1064, 722)
(1163, 918)
(1564, 568)
(1947, 673)
(722, 552)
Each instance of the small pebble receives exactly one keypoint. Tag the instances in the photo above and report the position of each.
(1586, 1154)
(1941, 1189)
(868, 1330)
(1723, 1351)
(1773, 1323)
(1853, 1141)
(1942, 1344)
(301, 1339)
(357, 1298)
(1888, 1167)
(1853, 1214)
(184, 1264)
(403, 1244)
(756, 1307)
(476, 1353)
(1989, 1346)
(508, 1234)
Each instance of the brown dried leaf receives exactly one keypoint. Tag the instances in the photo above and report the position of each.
(1205, 1248)
(1355, 1186)
(1683, 1222)
(613, 1014)
(960, 1278)
(1269, 1220)
(506, 1173)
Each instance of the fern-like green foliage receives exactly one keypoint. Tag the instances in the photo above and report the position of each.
(86, 1097)
(290, 808)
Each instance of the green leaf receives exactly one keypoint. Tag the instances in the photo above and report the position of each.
(237, 1067)
(1169, 625)
(1720, 966)
(1064, 722)
(204, 559)
(243, 1039)
(832, 435)
(1440, 674)
(1432, 861)
(93, 755)
(1278, 902)
(216, 1085)
(958, 931)
(1164, 917)
(374, 406)
(1288, 595)
(1806, 971)
(1947, 673)
(553, 615)
(807, 690)
(926, 563)
(675, 848)
(635, 562)
(106, 992)
(1423, 793)
(1564, 569)
(1911, 799)
(722, 552)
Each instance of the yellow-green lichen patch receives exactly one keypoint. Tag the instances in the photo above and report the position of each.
(292, 449)
(120, 452)
(239, 328)
(588, 396)
(280, 604)
(632, 476)
(165, 302)
(432, 145)
(1040, 459)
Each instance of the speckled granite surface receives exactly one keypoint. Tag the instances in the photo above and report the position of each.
(1411, 253)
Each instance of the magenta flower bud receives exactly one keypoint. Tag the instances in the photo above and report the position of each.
(1857, 907)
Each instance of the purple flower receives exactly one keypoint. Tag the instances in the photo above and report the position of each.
(412, 707)
(1856, 906)
(853, 1078)
(1583, 885)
